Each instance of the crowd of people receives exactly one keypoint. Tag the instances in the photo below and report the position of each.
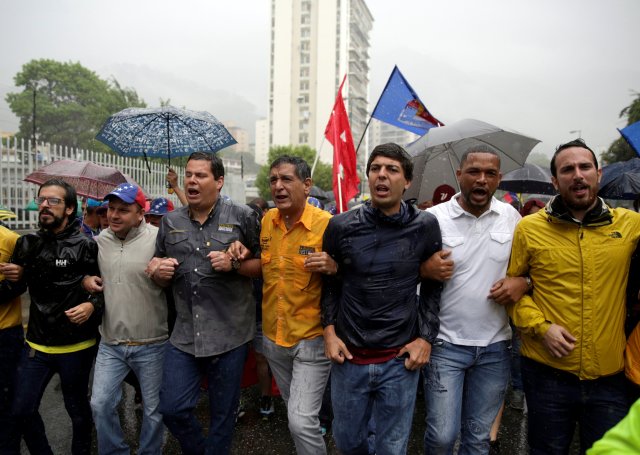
(371, 304)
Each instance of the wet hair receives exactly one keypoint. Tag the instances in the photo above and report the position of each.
(395, 152)
(260, 203)
(574, 143)
(480, 148)
(302, 169)
(217, 168)
(70, 195)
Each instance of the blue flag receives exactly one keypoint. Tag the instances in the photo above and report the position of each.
(400, 106)
(631, 134)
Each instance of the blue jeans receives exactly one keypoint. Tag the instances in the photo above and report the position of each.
(182, 374)
(301, 373)
(113, 363)
(34, 373)
(516, 370)
(557, 400)
(464, 387)
(380, 396)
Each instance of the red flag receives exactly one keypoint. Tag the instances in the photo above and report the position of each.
(338, 133)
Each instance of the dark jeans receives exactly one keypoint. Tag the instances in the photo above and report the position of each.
(182, 374)
(557, 400)
(11, 341)
(35, 370)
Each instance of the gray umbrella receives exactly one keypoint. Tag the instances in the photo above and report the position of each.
(530, 179)
(436, 155)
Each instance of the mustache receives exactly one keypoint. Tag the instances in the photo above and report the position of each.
(45, 212)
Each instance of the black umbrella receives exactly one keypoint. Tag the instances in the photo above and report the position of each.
(530, 179)
(621, 180)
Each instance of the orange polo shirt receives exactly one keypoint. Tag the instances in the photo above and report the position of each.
(10, 313)
(291, 295)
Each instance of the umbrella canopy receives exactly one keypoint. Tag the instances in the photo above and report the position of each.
(436, 155)
(163, 132)
(621, 180)
(530, 179)
(89, 179)
(6, 213)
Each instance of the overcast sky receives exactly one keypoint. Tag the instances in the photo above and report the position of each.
(542, 67)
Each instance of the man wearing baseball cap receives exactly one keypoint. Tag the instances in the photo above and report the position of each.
(159, 207)
(134, 326)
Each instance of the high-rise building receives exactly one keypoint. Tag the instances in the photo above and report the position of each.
(262, 141)
(314, 43)
(240, 135)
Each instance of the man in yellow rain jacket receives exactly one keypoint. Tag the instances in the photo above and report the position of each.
(577, 253)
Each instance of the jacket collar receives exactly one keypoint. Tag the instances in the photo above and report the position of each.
(599, 215)
(404, 216)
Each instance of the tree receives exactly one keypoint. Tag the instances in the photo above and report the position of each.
(620, 150)
(70, 103)
(322, 176)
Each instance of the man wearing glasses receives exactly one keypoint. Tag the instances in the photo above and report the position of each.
(63, 320)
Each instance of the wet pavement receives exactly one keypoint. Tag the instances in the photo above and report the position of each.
(253, 436)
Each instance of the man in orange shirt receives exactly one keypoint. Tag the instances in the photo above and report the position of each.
(292, 262)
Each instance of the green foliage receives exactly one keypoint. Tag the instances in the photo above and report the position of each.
(322, 175)
(620, 150)
(71, 102)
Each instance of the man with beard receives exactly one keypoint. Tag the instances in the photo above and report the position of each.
(214, 303)
(63, 317)
(577, 253)
(467, 376)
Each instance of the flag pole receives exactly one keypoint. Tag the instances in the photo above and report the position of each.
(340, 190)
(395, 67)
(315, 161)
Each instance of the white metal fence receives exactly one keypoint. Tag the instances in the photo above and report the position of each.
(19, 158)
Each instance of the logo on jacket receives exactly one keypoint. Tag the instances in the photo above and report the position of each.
(62, 262)
(615, 235)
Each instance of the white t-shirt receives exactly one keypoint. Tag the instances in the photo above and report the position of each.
(480, 247)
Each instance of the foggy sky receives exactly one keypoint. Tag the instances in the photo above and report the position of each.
(541, 67)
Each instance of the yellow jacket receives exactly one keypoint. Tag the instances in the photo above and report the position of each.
(579, 273)
(10, 311)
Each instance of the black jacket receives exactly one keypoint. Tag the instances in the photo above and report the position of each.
(54, 266)
(372, 301)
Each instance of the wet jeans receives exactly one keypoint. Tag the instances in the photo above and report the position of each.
(113, 363)
(379, 397)
(301, 372)
(557, 400)
(464, 387)
(34, 373)
(182, 375)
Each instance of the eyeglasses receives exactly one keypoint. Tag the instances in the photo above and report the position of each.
(50, 200)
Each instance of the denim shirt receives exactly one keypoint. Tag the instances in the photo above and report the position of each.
(215, 310)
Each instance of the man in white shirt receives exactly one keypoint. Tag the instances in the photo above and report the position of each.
(466, 378)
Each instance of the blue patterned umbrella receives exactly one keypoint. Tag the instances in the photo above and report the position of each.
(163, 132)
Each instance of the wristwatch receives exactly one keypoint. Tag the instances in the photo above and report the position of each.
(529, 282)
(235, 264)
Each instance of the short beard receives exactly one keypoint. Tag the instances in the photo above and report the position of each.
(52, 225)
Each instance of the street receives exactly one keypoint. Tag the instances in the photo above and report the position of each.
(253, 436)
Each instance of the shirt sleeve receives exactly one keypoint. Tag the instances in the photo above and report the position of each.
(525, 313)
(160, 248)
(430, 290)
(331, 284)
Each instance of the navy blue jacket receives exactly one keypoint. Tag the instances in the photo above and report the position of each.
(372, 302)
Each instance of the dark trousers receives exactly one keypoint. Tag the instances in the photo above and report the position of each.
(181, 379)
(35, 370)
(557, 400)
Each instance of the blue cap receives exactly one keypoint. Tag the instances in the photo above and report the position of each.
(160, 206)
(129, 193)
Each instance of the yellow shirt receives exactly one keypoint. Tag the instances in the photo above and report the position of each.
(11, 313)
(291, 295)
